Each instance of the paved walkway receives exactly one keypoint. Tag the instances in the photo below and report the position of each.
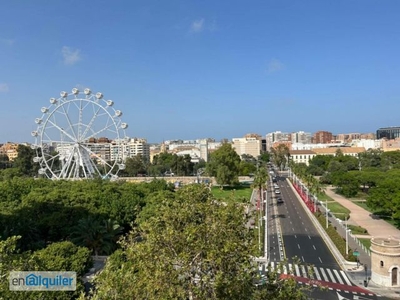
(376, 228)
(361, 217)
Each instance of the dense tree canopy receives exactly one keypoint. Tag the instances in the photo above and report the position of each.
(63, 256)
(224, 165)
(193, 247)
(280, 156)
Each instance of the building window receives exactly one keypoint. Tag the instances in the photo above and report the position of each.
(381, 263)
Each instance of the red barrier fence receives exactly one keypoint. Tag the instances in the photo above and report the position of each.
(305, 197)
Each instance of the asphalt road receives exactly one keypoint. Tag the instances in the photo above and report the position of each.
(301, 239)
(292, 237)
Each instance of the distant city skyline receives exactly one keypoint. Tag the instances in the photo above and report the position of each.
(199, 69)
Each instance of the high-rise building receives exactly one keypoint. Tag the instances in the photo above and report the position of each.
(300, 137)
(204, 149)
(322, 137)
(389, 133)
(250, 144)
(276, 136)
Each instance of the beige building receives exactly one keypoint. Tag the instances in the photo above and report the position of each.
(385, 261)
(250, 144)
(10, 149)
(391, 145)
(304, 156)
(301, 156)
(353, 151)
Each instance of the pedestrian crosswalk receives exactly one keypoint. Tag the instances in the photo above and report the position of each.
(311, 272)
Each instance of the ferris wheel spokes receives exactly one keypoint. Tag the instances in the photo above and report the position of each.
(74, 125)
(69, 122)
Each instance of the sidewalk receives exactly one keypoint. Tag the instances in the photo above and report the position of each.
(361, 217)
(376, 228)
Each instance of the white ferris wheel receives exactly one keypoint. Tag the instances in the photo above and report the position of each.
(80, 135)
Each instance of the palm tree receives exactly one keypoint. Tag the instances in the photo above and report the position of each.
(260, 182)
(98, 235)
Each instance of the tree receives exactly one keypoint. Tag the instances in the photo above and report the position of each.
(370, 158)
(204, 252)
(264, 157)
(135, 165)
(390, 160)
(260, 181)
(64, 256)
(4, 161)
(385, 196)
(24, 162)
(246, 168)
(100, 236)
(224, 165)
(320, 162)
(280, 156)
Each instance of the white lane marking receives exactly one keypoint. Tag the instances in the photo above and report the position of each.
(331, 275)
(338, 276)
(323, 274)
(345, 277)
(314, 247)
(295, 236)
(320, 259)
(309, 237)
(290, 270)
(302, 258)
(303, 270)
(298, 246)
(316, 273)
(297, 270)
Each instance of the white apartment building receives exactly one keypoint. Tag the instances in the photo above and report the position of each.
(301, 137)
(301, 146)
(301, 156)
(108, 151)
(250, 144)
(276, 136)
(367, 144)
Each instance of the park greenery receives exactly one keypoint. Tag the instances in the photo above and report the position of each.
(374, 176)
(205, 250)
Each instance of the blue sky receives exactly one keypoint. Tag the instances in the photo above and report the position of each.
(196, 69)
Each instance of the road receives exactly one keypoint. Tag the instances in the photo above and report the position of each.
(294, 240)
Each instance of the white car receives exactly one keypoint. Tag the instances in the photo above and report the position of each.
(277, 192)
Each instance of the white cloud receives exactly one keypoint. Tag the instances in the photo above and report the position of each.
(8, 42)
(4, 87)
(71, 56)
(275, 66)
(197, 26)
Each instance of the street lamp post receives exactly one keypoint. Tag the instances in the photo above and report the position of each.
(326, 212)
(347, 239)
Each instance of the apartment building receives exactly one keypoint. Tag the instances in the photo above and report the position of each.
(277, 136)
(304, 156)
(9, 149)
(301, 137)
(301, 156)
(250, 144)
(389, 133)
(322, 137)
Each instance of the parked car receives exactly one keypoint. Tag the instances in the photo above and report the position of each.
(279, 200)
(277, 191)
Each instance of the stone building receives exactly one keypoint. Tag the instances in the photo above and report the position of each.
(385, 261)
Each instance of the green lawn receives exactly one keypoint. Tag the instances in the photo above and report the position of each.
(239, 193)
(362, 204)
(357, 229)
(366, 243)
